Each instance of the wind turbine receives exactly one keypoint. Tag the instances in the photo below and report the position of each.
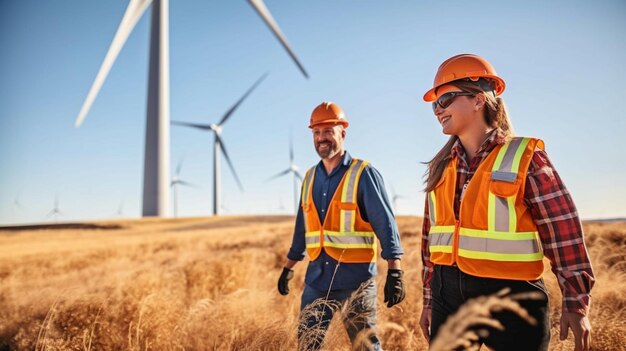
(176, 181)
(394, 198)
(218, 146)
(296, 175)
(55, 210)
(16, 205)
(120, 209)
(157, 143)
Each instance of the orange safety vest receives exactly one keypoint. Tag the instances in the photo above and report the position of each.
(344, 235)
(495, 235)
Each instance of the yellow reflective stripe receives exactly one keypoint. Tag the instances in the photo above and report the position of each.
(306, 184)
(500, 156)
(432, 207)
(344, 190)
(350, 246)
(477, 233)
(370, 234)
(500, 257)
(306, 188)
(442, 229)
(440, 248)
(512, 214)
(349, 194)
(491, 212)
(495, 208)
(313, 233)
(518, 154)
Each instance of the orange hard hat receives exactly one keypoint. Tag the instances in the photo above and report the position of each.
(328, 112)
(465, 66)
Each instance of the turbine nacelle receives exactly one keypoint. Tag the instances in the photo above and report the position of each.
(216, 128)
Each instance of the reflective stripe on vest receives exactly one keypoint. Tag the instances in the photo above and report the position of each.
(502, 215)
(348, 195)
(306, 188)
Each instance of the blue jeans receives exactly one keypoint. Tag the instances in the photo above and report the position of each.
(358, 314)
(451, 288)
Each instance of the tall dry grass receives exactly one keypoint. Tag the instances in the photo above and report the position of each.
(210, 284)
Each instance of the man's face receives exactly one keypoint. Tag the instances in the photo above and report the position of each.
(328, 139)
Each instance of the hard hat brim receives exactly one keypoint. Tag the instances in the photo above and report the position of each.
(431, 94)
(331, 121)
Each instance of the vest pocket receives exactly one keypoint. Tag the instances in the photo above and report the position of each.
(504, 189)
(347, 206)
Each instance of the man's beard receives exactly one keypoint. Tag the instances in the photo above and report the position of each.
(328, 152)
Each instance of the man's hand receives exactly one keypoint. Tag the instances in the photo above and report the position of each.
(394, 287)
(425, 321)
(581, 328)
(283, 281)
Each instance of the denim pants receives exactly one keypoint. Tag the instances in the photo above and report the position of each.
(451, 288)
(358, 315)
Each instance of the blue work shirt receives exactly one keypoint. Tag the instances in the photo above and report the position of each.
(375, 209)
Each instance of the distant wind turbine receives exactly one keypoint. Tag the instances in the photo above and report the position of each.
(218, 146)
(55, 210)
(16, 202)
(120, 209)
(296, 175)
(176, 181)
(394, 198)
(157, 143)
(16, 206)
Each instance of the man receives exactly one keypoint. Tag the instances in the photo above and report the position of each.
(344, 208)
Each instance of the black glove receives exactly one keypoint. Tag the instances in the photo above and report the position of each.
(283, 281)
(394, 287)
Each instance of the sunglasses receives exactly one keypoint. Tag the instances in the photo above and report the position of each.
(446, 99)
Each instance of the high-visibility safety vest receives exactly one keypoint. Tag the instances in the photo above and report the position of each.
(495, 235)
(344, 235)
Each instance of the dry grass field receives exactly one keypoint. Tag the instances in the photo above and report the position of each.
(210, 284)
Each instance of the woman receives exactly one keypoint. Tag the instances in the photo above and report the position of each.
(495, 207)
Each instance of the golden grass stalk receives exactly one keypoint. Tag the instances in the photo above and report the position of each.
(468, 324)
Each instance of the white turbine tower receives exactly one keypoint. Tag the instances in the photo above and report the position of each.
(157, 144)
(218, 146)
(55, 210)
(296, 175)
(176, 181)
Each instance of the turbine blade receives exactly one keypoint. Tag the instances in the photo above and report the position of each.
(298, 175)
(236, 105)
(192, 125)
(178, 167)
(184, 183)
(265, 14)
(135, 9)
(290, 149)
(279, 174)
(230, 164)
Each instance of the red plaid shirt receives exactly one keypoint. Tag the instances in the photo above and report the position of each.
(554, 214)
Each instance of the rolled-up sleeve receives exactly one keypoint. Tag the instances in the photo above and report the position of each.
(375, 208)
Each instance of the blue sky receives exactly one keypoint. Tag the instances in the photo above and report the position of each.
(563, 62)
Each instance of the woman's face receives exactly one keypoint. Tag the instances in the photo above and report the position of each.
(459, 115)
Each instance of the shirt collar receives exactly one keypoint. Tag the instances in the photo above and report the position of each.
(496, 137)
(346, 161)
